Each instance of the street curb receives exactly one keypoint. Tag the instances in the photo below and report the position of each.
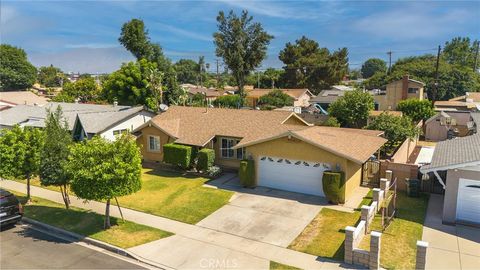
(93, 242)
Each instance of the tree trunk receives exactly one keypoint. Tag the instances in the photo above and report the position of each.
(65, 197)
(28, 188)
(107, 225)
(119, 209)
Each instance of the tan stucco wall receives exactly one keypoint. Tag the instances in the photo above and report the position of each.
(394, 94)
(434, 131)
(302, 101)
(294, 121)
(451, 192)
(142, 142)
(299, 150)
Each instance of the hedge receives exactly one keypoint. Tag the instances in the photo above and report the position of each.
(334, 186)
(247, 173)
(177, 154)
(206, 157)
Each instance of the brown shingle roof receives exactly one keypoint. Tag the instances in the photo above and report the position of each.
(357, 145)
(22, 98)
(197, 126)
(377, 113)
(294, 93)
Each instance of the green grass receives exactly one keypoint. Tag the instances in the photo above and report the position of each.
(279, 266)
(399, 239)
(123, 234)
(325, 235)
(367, 200)
(175, 196)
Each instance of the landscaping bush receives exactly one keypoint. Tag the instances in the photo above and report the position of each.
(206, 157)
(214, 171)
(247, 173)
(177, 154)
(334, 186)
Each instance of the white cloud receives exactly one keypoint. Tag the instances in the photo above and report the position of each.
(180, 31)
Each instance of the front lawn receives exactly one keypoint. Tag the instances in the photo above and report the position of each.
(280, 266)
(175, 196)
(124, 234)
(325, 235)
(400, 238)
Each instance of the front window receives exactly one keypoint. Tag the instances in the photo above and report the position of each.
(412, 90)
(226, 151)
(120, 131)
(154, 143)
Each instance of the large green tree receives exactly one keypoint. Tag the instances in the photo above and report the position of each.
(275, 99)
(55, 153)
(307, 65)
(104, 170)
(352, 110)
(397, 129)
(16, 72)
(372, 66)
(84, 89)
(461, 51)
(20, 150)
(187, 71)
(241, 43)
(50, 76)
(131, 85)
(416, 109)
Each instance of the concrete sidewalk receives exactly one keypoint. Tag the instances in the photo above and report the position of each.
(450, 247)
(201, 247)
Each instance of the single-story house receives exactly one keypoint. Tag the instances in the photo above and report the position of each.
(301, 97)
(460, 159)
(14, 98)
(288, 153)
(85, 120)
(445, 125)
(210, 94)
(327, 97)
(453, 105)
(469, 101)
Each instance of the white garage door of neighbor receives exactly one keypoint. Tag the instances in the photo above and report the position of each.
(292, 175)
(468, 200)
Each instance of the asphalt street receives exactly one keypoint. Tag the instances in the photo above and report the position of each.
(22, 247)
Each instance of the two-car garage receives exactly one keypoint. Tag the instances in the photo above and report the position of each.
(292, 175)
(468, 201)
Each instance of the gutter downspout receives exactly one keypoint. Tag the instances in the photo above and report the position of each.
(439, 179)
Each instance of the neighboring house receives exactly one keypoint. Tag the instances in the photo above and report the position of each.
(446, 125)
(289, 153)
(85, 120)
(14, 98)
(301, 97)
(456, 165)
(327, 97)
(210, 94)
(452, 105)
(397, 91)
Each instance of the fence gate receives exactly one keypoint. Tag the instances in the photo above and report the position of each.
(371, 173)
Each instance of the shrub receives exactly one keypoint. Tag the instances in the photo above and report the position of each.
(334, 186)
(214, 171)
(247, 173)
(416, 109)
(275, 99)
(206, 157)
(177, 154)
(229, 101)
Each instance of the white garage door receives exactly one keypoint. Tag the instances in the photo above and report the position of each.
(468, 200)
(292, 175)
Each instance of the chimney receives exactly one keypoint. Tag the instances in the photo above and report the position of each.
(405, 87)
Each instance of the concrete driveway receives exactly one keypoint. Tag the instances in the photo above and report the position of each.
(265, 215)
(450, 247)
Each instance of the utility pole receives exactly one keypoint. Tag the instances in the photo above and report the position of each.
(258, 79)
(389, 61)
(476, 58)
(218, 74)
(434, 96)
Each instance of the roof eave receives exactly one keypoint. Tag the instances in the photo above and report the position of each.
(426, 169)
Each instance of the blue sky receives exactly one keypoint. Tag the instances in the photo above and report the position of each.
(81, 36)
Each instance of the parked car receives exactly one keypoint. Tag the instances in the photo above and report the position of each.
(11, 211)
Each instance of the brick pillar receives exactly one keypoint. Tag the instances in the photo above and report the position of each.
(384, 185)
(421, 258)
(374, 260)
(389, 175)
(376, 197)
(348, 258)
(364, 216)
